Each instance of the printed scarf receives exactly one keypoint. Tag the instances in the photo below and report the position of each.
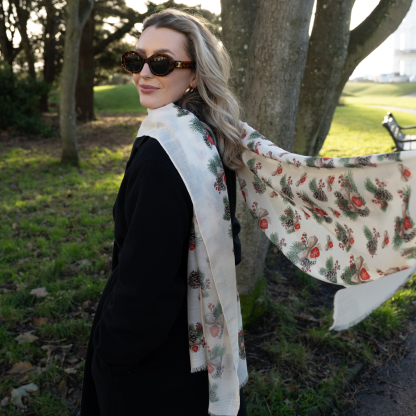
(346, 221)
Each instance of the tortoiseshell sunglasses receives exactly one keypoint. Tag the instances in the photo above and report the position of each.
(160, 64)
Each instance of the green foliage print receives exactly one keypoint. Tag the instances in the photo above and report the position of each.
(197, 279)
(216, 167)
(194, 238)
(317, 190)
(198, 127)
(213, 397)
(372, 239)
(381, 195)
(318, 213)
(274, 238)
(349, 272)
(344, 236)
(181, 111)
(196, 336)
(404, 227)
(389, 156)
(295, 249)
(350, 202)
(286, 192)
(214, 358)
(290, 220)
(310, 161)
(330, 270)
(409, 253)
(345, 161)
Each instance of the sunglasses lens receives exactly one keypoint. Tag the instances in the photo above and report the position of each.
(160, 65)
(133, 63)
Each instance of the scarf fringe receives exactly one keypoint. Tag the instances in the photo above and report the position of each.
(200, 368)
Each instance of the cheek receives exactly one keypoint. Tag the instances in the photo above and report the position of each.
(176, 83)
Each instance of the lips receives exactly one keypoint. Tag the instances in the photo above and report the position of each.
(148, 88)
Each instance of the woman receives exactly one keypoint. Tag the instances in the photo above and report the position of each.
(167, 336)
(138, 359)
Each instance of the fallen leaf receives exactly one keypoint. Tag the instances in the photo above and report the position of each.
(85, 262)
(21, 261)
(4, 402)
(15, 225)
(292, 387)
(70, 370)
(49, 349)
(87, 304)
(26, 337)
(29, 246)
(21, 367)
(68, 194)
(62, 388)
(39, 321)
(20, 392)
(39, 292)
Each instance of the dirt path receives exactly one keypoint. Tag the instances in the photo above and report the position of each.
(387, 107)
(393, 391)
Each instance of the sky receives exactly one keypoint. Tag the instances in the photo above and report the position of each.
(379, 61)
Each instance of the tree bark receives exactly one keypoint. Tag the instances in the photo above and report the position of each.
(22, 19)
(50, 50)
(328, 49)
(275, 57)
(84, 91)
(370, 34)
(5, 43)
(237, 18)
(77, 13)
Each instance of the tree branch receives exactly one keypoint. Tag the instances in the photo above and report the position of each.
(373, 31)
(118, 34)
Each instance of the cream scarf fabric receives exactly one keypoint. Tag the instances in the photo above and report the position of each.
(341, 220)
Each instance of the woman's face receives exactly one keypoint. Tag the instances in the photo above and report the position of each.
(158, 91)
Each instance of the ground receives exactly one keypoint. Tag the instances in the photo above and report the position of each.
(57, 233)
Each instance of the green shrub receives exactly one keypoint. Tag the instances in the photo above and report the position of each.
(19, 103)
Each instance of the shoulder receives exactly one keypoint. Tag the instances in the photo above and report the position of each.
(148, 149)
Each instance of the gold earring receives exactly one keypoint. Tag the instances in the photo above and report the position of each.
(189, 89)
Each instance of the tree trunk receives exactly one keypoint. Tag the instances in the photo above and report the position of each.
(84, 91)
(77, 13)
(270, 89)
(237, 18)
(22, 18)
(371, 33)
(5, 44)
(50, 50)
(328, 48)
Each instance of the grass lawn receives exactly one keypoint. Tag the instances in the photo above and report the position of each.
(56, 233)
(371, 93)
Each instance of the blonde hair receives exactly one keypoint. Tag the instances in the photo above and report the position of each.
(212, 101)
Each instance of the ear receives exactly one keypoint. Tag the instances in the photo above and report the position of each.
(193, 83)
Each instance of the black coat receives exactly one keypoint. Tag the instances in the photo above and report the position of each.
(138, 353)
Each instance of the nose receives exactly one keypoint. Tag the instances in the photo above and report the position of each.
(146, 72)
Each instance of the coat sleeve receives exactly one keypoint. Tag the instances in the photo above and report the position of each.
(149, 291)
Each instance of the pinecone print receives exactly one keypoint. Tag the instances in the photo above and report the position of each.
(364, 161)
(192, 238)
(372, 246)
(192, 337)
(320, 195)
(212, 395)
(389, 156)
(383, 194)
(194, 280)
(217, 372)
(307, 263)
(331, 275)
(289, 222)
(227, 210)
(410, 236)
(364, 212)
(329, 164)
(345, 239)
(259, 188)
(220, 184)
(287, 190)
(328, 219)
(338, 195)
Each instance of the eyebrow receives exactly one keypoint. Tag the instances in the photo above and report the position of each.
(158, 51)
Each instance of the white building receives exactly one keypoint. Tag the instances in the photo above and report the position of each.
(405, 44)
